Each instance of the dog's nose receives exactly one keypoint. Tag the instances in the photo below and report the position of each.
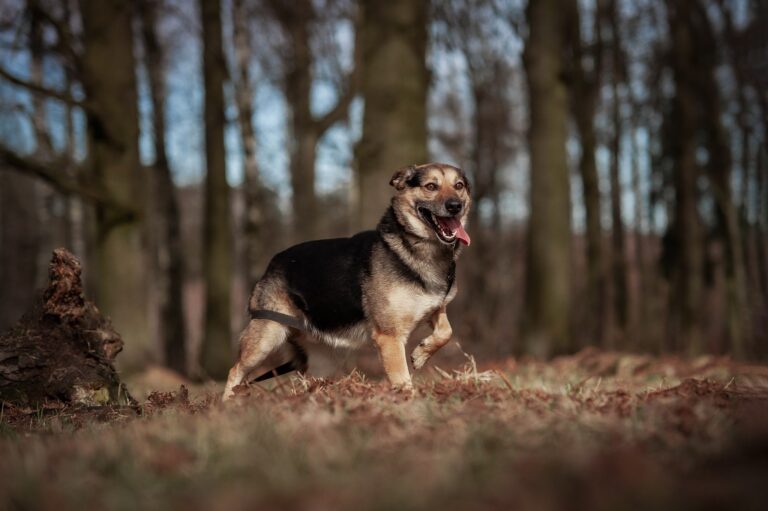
(453, 206)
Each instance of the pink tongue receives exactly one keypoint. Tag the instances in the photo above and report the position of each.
(455, 226)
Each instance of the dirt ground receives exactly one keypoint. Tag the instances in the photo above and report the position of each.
(591, 431)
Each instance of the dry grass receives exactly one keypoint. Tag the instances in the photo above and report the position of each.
(593, 431)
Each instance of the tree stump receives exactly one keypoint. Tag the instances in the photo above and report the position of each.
(63, 348)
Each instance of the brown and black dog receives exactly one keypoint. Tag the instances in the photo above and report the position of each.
(377, 285)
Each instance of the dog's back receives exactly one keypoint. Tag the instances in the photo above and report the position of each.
(323, 278)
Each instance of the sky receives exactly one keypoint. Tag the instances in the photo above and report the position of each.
(185, 147)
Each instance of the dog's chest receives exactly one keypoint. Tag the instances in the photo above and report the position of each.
(408, 304)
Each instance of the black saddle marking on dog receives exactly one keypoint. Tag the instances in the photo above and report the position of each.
(324, 278)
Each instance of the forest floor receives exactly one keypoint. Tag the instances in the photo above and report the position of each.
(591, 431)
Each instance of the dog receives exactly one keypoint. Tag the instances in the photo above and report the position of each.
(374, 286)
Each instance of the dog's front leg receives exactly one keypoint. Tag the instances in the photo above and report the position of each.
(441, 334)
(392, 351)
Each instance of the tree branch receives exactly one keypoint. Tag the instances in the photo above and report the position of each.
(65, 39)
(40, 89)
(340, 110)
(61, 181)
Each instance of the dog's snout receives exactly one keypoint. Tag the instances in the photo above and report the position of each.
(453, 206)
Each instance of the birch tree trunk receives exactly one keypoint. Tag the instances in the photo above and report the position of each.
(257, 201)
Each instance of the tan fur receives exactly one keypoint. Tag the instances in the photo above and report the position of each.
(441, 334)
(393, 306)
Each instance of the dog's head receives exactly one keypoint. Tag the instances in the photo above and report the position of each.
(432, 201)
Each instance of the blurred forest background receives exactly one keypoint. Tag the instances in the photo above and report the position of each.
(617, 151)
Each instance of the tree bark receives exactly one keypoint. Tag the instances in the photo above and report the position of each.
(19, 228)
(169, 262)
(394, 83)
(216, 351)
(548, 283)
(298, 88)
(584, 88)
(108, 78)
(619, 263)
(643, 291)
(686, 278)
(257, 200)
(719, 166)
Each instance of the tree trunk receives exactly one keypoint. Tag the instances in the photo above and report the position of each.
(760, 231)
(63, 348)
(216, 351)
(686, 284)
(584, 88)
(618, 259)
(642, 296)
(19, 228)
(257, 201)
(168, 255)
(304, 135)
(619, 254)
(393, 39)
(548, 280)
(296, 19)
(108, 76)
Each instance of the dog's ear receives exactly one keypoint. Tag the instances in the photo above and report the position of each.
(401, 177)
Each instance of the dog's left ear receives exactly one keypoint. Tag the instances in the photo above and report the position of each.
(401, 177)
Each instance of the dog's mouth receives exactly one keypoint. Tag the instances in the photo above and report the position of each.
(447, 228)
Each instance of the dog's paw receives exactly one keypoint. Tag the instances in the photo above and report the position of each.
(419, 356)
(405, 388)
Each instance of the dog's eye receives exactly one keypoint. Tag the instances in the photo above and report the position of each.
(459, 185)
(431, 187)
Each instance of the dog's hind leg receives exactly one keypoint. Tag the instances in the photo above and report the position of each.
(441, 334)
(299, 362)
(260, 339)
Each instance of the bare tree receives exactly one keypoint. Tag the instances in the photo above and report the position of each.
(108, 77)
(394, 83)
(548, 284)
(297, 20)
(255, 196)
(216, 352)
(619, 262)
(168, 252)
(685, 228)
(585, 78)
(719, 170)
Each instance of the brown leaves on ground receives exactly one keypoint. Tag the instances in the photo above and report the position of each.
(591, 431)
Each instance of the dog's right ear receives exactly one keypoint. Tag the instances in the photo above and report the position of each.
(401, 177)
